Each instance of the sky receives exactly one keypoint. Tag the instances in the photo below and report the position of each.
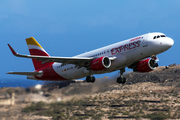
(67, 28)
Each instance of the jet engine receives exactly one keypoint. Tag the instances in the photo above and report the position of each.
(146, 65)
(100, 63)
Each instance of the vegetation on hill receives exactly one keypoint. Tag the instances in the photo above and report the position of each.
(156, 105)
(154, 95)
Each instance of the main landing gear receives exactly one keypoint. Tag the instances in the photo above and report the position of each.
(121, 79)
(90, 78)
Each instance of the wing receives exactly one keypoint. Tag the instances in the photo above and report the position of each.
(78, 61)
(26, 73)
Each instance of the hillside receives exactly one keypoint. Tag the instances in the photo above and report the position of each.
(154, 95)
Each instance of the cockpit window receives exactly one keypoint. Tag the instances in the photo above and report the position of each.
(155, 37)
(163, 36)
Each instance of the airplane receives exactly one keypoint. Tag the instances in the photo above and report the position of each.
(138, 53)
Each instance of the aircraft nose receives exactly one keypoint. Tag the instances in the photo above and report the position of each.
(169, 42)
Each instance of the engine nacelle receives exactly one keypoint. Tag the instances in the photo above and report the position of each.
(100, 64)
(146, 65)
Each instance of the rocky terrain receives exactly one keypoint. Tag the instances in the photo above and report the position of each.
(153, 95)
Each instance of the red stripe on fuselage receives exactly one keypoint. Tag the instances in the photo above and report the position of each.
(49, 74)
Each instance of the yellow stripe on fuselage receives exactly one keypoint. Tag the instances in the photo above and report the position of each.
(32, 41)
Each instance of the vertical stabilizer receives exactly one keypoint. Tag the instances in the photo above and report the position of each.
(36, 49)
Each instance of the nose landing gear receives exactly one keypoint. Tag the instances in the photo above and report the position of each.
(121, 79)
(155, 64)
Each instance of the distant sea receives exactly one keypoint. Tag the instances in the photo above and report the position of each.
(18, 83)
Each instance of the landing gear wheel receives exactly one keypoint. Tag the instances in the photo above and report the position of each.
(93, 79)
(121, 80)
(90, 79)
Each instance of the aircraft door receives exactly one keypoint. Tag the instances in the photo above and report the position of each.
(144, 41)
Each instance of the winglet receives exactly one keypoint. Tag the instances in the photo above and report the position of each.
(12, 50)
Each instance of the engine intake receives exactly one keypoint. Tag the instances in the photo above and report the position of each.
(146, 65)
(100, 64)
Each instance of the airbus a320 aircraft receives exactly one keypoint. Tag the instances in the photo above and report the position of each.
(138, 53)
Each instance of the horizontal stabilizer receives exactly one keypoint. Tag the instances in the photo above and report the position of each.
(26, 73)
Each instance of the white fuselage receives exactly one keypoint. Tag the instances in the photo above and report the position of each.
(126, 52)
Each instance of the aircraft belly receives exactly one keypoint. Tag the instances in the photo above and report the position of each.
(69, 72)
(133, 55)
(76, 73)
(119, 61)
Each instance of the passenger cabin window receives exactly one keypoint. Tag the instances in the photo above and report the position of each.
(154, 37)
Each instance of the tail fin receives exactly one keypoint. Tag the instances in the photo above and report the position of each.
(36, 49)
